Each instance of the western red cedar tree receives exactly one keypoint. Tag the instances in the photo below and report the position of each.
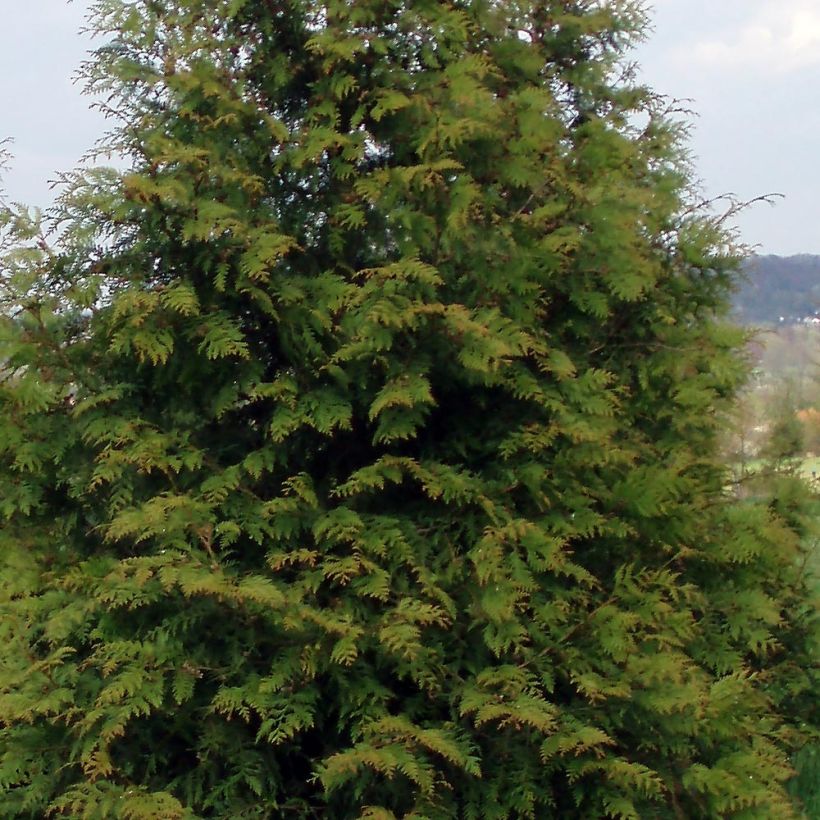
(358, 442)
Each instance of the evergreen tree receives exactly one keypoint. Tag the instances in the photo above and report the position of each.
(358, 443)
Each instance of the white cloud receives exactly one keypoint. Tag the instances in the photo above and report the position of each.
(778, 37)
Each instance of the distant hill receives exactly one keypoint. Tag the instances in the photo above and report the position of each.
(778, 289)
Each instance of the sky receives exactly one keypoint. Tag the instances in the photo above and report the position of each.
(749, 69)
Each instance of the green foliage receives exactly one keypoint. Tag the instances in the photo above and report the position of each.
(806, 785)
(358, 445)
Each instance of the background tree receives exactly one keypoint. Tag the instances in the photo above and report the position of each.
(810, 422)
(359, 442)
(786, 439)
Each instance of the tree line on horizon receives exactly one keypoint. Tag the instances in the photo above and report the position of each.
(777, 289)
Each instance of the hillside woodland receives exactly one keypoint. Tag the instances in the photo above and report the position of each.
(778, 290)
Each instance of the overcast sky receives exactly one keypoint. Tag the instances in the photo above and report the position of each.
(750, 67)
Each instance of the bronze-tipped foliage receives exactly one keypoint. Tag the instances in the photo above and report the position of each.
(358, 443)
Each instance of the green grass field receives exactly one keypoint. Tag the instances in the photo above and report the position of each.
(810, 467)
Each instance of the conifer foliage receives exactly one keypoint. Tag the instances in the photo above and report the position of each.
(358, 443)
